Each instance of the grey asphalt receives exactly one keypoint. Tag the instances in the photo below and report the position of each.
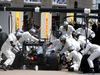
(33, 72)
(41, 72)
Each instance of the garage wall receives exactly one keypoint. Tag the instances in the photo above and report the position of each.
(4, 21)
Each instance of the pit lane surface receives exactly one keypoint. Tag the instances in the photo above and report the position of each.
(33, 72)
(40, 72)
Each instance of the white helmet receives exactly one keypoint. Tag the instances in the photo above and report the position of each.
(83, 24)
(18, 34)
(71, 48)
(65, 23)
(77, 33)
(63, 37)
(20, 30)
(32, 31)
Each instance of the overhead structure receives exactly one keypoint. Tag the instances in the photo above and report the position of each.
(82, 16)
(37, 9)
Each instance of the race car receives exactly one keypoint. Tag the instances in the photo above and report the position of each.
(36, 54)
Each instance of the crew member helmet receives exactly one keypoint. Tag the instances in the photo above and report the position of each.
(77, 33)
(32, 31)
(18, 34)
(83, 24)
(63, 37)
(20, 30)
(71, 48)
(65, 24)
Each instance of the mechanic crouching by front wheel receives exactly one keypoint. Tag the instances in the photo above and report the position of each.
(6, 49)
(64, 43)
(76, 57)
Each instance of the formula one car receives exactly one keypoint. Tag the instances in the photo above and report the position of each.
(36, 54)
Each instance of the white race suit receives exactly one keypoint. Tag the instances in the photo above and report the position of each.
(69, 30)
(83, 32)
(6, 49)
(76, 56)
(69, 42)
(82, 41)
(95, 53)
(27, 36)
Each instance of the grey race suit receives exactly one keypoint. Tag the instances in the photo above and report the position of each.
(76, 56)
(68, 32)
(95, 53)
(6, 49)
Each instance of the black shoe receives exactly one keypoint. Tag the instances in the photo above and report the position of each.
(4, 67)
(70, 69)
(92, 70)
(9, 67)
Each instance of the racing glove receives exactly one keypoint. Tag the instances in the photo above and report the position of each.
(49, 44)
(90, 38)
(12, 44)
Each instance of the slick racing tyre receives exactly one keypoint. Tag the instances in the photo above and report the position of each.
(54, 61)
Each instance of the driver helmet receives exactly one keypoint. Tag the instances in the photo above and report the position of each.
(57, 34)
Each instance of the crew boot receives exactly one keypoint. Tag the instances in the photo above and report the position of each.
(9, 67)
(92, 70)
(70, 69)
(4, 67)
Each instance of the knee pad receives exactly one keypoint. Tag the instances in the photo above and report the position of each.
(70, 69)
